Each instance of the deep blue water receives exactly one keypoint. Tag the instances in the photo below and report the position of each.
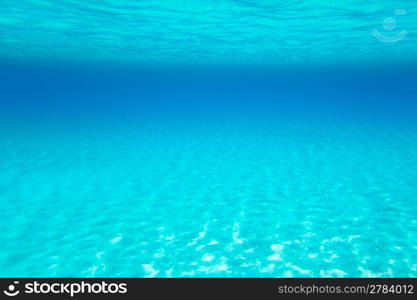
(208, 173)
(209, 139)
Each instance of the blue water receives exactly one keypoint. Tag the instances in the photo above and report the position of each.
(208, 31)
(209, 139)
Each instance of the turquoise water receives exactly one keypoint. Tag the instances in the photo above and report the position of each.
(238, 183)
(263, 168)
(207, 31)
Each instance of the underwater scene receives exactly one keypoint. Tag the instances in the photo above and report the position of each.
(229, 138)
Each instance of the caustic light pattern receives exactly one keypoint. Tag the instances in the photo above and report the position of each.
(121, 174)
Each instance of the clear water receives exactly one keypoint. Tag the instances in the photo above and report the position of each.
(207, 31)
(129, 171)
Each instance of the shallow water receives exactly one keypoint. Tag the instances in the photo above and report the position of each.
(222, 183)
(145, 169)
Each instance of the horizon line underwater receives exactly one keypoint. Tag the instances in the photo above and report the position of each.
(208, 139)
